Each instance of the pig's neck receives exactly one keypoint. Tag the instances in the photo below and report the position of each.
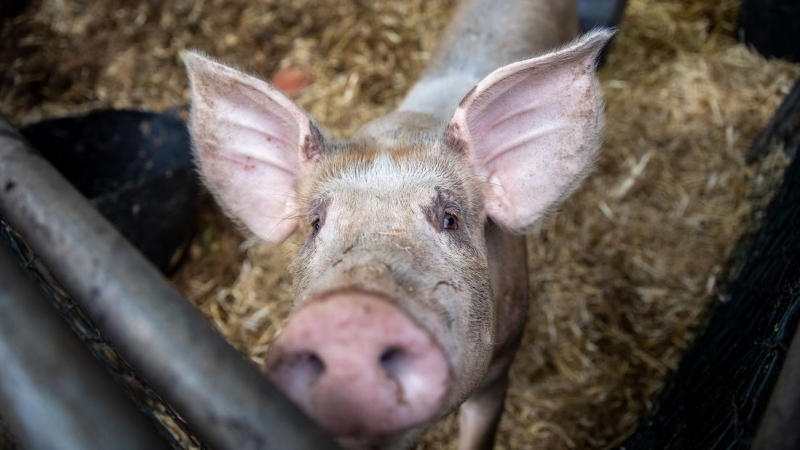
(508, 271)
(481, 37)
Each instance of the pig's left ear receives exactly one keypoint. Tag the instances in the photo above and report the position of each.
(532, 129)
(252, 144)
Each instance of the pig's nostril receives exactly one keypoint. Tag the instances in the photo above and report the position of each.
(312, 363)
(303, 367)
(391, 360)
(294, 371)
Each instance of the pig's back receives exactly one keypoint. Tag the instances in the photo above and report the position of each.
(483, 36)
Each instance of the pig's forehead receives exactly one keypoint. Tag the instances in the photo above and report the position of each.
(392, 174)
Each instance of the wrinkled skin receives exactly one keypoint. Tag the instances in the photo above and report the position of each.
(440, 278)
(398, 202)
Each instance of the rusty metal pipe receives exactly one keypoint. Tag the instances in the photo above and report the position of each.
(53, 393)
(224, 398)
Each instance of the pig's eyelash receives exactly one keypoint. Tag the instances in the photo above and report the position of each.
(482, 179)
(296, 200)
(295, 214)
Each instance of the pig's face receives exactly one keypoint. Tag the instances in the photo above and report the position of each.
(393, 323)
(405, 227)
(406, 224)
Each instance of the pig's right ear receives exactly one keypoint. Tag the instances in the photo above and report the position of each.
(252, 144)
(531, 130)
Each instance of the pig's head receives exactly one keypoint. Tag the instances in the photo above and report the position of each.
(393, 321)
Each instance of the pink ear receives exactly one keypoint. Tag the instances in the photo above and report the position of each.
(532, 129)
(252, 144)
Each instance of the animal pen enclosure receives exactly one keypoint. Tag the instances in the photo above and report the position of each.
(620, 277)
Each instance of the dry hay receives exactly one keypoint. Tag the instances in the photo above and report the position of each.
(619, 277)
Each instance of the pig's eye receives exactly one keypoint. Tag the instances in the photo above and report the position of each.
(450, 222)
(316, 225)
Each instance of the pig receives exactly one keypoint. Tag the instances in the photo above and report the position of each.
(410, 290)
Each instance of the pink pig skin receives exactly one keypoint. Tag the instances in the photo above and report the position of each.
(411, 288)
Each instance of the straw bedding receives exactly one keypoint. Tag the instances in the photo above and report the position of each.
(620, 277)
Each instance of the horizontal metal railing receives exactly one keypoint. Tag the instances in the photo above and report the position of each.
(225, 399)
(52, 391)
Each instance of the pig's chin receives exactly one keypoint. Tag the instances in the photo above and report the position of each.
(397, 441)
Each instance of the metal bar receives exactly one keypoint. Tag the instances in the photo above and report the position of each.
(779, 429)
(223, 397)
(781, 126)
(53, 393)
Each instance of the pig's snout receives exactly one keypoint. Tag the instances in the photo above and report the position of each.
(359, 366)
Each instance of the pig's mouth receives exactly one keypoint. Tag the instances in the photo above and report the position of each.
(360, 367)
